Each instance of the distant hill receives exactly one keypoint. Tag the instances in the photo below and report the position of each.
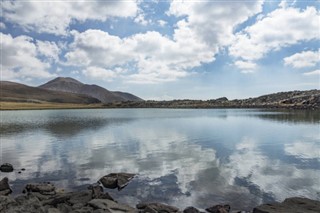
(73, 86)
(11, 91)
(293, 100)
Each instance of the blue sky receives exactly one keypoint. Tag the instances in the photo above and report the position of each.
(165, 49)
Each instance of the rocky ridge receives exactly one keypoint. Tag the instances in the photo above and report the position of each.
(289, 100)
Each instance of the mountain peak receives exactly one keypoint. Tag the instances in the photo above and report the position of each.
(65, 79)
(67, 84)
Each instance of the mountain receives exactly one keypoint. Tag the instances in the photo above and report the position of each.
(73, 86)
(11, 91)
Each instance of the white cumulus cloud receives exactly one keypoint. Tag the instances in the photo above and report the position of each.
(20, 59)
(55, 16)
(280, 28)
(303, 59)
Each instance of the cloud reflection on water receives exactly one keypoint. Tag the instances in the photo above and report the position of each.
(177, 158)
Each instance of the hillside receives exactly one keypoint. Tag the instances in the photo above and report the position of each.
(294, 99)
(73, 86)
(16, 92)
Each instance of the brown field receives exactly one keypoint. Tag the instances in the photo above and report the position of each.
(5, 105)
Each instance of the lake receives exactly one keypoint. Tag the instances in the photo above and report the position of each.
(183, 157)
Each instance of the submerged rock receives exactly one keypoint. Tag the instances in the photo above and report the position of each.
(219, 209)
(6, 167)
(116, 180)
(292, 205)
(45, 188)
(156, 207)
(5, 187)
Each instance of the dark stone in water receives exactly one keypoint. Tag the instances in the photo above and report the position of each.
(6, 167)
(219, 209)
(292, 205)
(116, 180)
(45, 188)
(5, 187)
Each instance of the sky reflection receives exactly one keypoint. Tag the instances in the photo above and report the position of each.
(182, 157)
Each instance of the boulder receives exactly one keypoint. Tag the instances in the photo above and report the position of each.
(292, 205)
(156, 207)
(191, 209)
(81, 197)
(116, 180)
(4, 186)
(45, 188)
(219, 209)
(6, 167)
(109, 205)
(96, 190)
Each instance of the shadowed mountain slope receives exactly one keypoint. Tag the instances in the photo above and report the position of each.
(11, 91)
(73, 86)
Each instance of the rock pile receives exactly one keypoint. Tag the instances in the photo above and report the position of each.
(45, 198)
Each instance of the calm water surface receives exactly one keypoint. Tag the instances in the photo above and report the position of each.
(182, 157)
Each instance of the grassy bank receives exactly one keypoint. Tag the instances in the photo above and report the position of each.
(44, 105)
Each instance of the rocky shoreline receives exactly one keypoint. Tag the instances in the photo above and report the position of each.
(309, 100)
(46, 198)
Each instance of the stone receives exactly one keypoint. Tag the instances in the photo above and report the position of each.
(5, 187)
(219, 209)
(6, 202)
(6, 167)
(85, 209)
(106, 196)
(110, 205)
(80, 197)
(53, 210)
(109, 181)
(292, 205)
(156, 207)
(116, 180)
(123, 179)
(191, 209)
(97, 190)
(64, 208)
(45, 188)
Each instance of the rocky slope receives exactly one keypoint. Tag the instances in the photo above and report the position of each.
(73, 86)
(10, 91)
(294, 100)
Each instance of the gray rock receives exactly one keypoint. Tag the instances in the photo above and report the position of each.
(53, 210)
(85, 209)
(5, 187)
(64, 208)
(80, 197)
(6, 167)
(191, 209)
(57, 199)
(219, 209)
(290, 205)
(116, 180)
(6, 202)
(156, 207)
(110, 205)
(97, 190)
(106, 196)
(45, 188)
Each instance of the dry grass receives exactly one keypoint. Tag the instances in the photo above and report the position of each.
(4, 105)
